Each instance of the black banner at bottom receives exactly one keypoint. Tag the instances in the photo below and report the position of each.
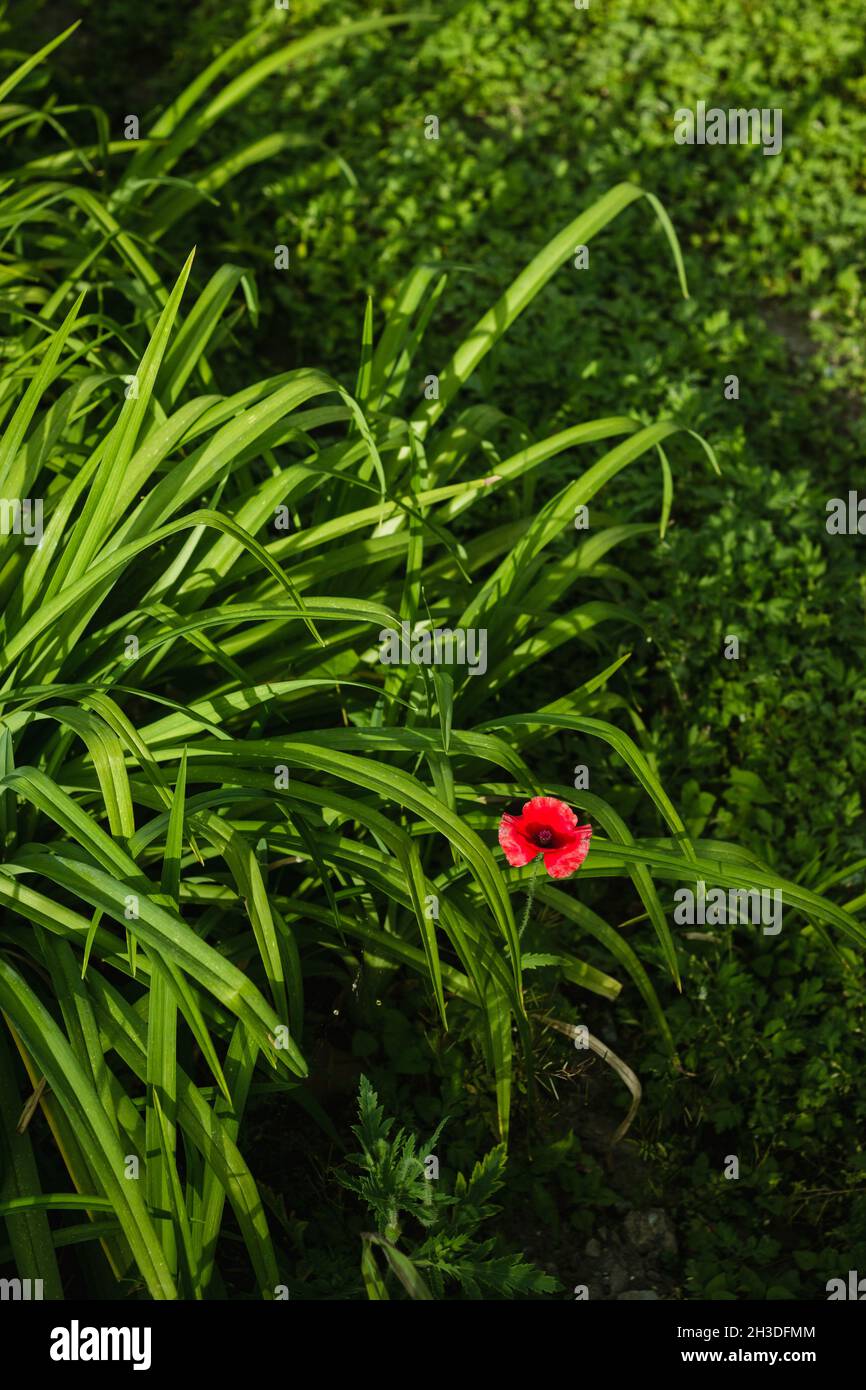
(63, 1340)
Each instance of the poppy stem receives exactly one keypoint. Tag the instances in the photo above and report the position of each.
(530, 894)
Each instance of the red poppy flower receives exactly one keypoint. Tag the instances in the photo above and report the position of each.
(547, 827)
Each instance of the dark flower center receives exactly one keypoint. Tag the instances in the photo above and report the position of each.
(544, 837)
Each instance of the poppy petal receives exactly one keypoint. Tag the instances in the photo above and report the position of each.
(559, 863)
(518, 850)
(552, 812)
